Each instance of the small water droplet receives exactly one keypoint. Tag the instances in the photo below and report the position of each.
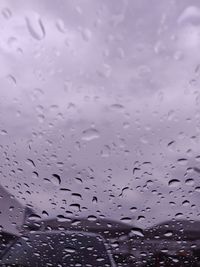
(35, 175)
(197, 189)
(60, 26)
(126, 219)
(117, 106)
(168, 234)
(3, 132)
(6, 13)
(90, 134)
(69, 250)
(94, 199)
(92, 218)
(86, 34)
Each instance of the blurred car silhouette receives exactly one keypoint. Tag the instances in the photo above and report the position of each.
(56, 248)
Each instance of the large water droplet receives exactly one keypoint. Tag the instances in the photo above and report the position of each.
(56, 180)
(35, 27)
(174, 183)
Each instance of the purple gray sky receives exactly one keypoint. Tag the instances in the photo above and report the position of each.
(104, 94)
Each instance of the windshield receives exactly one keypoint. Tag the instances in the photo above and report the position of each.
(100, 124)
(58, 249)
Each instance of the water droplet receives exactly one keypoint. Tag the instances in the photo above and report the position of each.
(105, 152)
(137, 231)
(45, 213)
(35, 27)
(196, 169)
(123, 190)
(75, 207)
(133, 209)
(3, 132)
(197, 189)
(76, 196)
(191, 14)
(90, 134)
(62, 218)
(182, 161)
(35, 175)
(56, 180)
(179, 215)
(34, 217)
(185, 203)
(6, 13)
(117, 107)
(86, 34)
(94, 199)
(126, 219)
(70, 250)
(31, 163)
(92, 218)
(168, 234)
(174, 183)
(189, 181)
(60, 26)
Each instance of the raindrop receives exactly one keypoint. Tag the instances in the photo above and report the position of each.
(35, 27)
(45, 213)
(182, 161)
(196, 169)
(76, 196)
(168, 234)
(6, 13)
(117, 107)
(92, 218)
(90, 134)
(62, 218)
(31, 163)
(137, 231)
(179, 215)
(76, 207)
(135, 170)
(190, 14)
(94, 199)
(133, 209)
(3, 132)
(174, 183)
(197, 189)
(60, 26)
(123, 190)
(34, 217)
(56, 180)
(12, 79)
(170, 144)
(35, 175)
(86, 34)
(185, 203)
(70, 250)
(126, 219)
(189, 181)
(105, 152)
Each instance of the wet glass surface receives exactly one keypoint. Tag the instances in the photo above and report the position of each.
(100, 125)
